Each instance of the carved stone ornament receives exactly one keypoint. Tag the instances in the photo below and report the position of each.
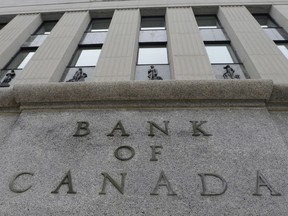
(153, 74)
(8, 77)
(229, 74)
(79, 76)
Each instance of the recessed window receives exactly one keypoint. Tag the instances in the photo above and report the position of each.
(274, 32)
(20, 60)
(40, 35)
(265, 21)
(210, 28)
(86, 57)
(204, 22)
(15, 67)
(152, 55)
(152, 23)
(219, 54)
(46, 28)
(224, 63)
(152, 63)
(284, 49)
(2, 25)
(82, 65)
(99, 25)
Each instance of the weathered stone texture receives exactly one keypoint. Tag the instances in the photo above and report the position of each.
(242, 142)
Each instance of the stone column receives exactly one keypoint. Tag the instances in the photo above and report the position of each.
(280, 14)
(187, 55)
(117, 61)
(15, 33)
(53, 56)
(261, 57)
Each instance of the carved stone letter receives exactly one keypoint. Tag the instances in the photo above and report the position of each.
(204, 192)
(120, 157)
(120, 188)
(163, 181)
(82, 129)
(12, 183)
(197, 130)
(154, 152)
(262, 182)
(68, 181)
(120, 127)
(152, 125)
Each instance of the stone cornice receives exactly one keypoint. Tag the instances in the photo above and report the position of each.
(62, 6)
(141, 94)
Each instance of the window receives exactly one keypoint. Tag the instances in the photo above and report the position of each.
(86, 57)
(46, 28)
(284, 49)
(40, 35)
(271, 28)
(84, 60)
(96, 32)
(82, 64)
(152, 63)
(274, 32)
(153, 23)
(152, 55)
(15, 66)
(210, 28)
(219, 54)
(265, 21)
(99, 25)
(152, 30)
(224, 62)
(26, 52)
(20, 60)
(205, 22)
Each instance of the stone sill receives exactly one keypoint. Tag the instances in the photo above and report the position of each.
(143, 94)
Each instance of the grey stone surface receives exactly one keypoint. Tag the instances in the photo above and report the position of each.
(242, 142)
(279, 93)
(145, 90)
(7, 121)
(17, 6)
(139, 93)
(7, 98)
(281, 119)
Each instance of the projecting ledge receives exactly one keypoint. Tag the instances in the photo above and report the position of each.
(141, 91)
(279, 97)
(7, 98)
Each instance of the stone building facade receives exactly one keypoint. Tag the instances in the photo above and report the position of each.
(169, 107)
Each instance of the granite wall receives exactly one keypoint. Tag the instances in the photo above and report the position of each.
(197, 161)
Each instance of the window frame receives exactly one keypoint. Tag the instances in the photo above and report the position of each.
(277, 42)
(217, 26)
(152, 45)
(42, 25)
(88, 30)
(269, 18)
(231, 51)
(29, 50)
(286, 46)
(77, 54)
(152, 28)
